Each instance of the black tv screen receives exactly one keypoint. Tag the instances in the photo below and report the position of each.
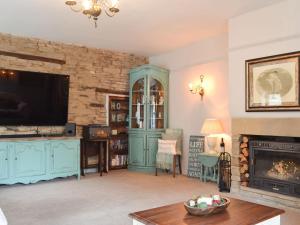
(32, 98)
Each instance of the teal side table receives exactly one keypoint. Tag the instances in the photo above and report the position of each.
(209, 167)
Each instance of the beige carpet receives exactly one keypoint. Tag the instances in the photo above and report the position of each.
(98, 200)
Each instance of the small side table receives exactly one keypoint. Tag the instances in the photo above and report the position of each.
(209, 167)
(102, 143)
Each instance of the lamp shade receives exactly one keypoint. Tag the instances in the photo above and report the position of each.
(212, 126)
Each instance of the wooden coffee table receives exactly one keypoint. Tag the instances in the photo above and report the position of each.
(238, 213)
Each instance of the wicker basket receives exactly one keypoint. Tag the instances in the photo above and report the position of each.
(209, 210)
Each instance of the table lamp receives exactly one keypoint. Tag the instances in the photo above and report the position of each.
(211, 128)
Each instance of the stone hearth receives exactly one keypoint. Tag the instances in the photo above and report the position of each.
(289, 127)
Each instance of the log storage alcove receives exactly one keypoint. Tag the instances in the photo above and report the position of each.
(244, 161)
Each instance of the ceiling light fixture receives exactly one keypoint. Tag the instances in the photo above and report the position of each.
(93, 8)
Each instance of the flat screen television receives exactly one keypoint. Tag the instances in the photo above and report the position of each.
(33, 98)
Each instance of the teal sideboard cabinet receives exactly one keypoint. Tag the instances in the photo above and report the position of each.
(148, 112)
(30, 161)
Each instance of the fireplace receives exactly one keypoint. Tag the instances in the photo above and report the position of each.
(274, 164)
(259, 128)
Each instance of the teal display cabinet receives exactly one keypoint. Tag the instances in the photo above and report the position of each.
(148, 115)
(30, 161)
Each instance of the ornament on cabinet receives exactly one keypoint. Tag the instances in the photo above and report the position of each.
(161, 100)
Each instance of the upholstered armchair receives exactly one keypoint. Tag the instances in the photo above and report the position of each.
(169, 151)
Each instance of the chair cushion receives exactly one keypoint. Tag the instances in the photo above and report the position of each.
(174, 136)
(167, 146)
(3, 220)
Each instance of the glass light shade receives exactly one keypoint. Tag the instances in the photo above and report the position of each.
(87, 4)
(71, 3)
(212, 126)
(113, 3)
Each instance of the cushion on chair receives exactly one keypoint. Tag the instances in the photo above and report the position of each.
(174, 134)
(165, 153)
(3, 220)
(167, 146)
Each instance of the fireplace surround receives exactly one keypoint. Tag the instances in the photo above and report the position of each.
(278, 127)
(275, 164)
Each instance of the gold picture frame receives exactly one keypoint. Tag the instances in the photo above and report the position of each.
(272, 83)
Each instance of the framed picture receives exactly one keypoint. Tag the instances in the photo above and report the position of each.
(272, 83)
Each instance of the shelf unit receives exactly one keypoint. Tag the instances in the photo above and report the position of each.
(148, 114)
(118, 122)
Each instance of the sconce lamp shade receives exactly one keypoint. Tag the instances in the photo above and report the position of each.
(212, 126)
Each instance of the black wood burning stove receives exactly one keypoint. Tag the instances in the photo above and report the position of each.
(275, 164)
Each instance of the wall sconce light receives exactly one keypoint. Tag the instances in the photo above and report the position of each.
(198, 89)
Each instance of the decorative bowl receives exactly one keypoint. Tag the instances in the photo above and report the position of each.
(195, 211)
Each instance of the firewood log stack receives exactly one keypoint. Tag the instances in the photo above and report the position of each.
(244, 161)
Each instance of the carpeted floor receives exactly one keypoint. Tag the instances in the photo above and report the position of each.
(98, 200)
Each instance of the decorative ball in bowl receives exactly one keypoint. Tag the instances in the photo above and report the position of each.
(202, 206)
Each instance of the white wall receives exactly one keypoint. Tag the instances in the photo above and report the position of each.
(208, 57)
(268, 31)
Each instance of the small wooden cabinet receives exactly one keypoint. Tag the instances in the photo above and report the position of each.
(34, 160)
(148, 115)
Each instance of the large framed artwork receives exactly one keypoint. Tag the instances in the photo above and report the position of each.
(272, 83)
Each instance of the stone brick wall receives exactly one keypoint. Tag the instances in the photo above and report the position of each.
(91, 70)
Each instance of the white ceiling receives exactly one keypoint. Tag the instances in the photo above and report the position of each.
(143, 27)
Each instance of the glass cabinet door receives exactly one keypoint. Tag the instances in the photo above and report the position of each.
(138, 104)
(156, 105)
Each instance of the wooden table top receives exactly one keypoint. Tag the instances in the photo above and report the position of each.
(238, 213)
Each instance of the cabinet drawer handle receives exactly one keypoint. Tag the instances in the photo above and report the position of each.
(52, 156)
(6, 159)
(16, 158)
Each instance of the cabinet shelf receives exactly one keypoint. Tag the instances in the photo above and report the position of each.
(119, 152)
(156, 91)
(156, 104)
(118, 124)
(118, 167)
(119, 136)
(119, 110)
